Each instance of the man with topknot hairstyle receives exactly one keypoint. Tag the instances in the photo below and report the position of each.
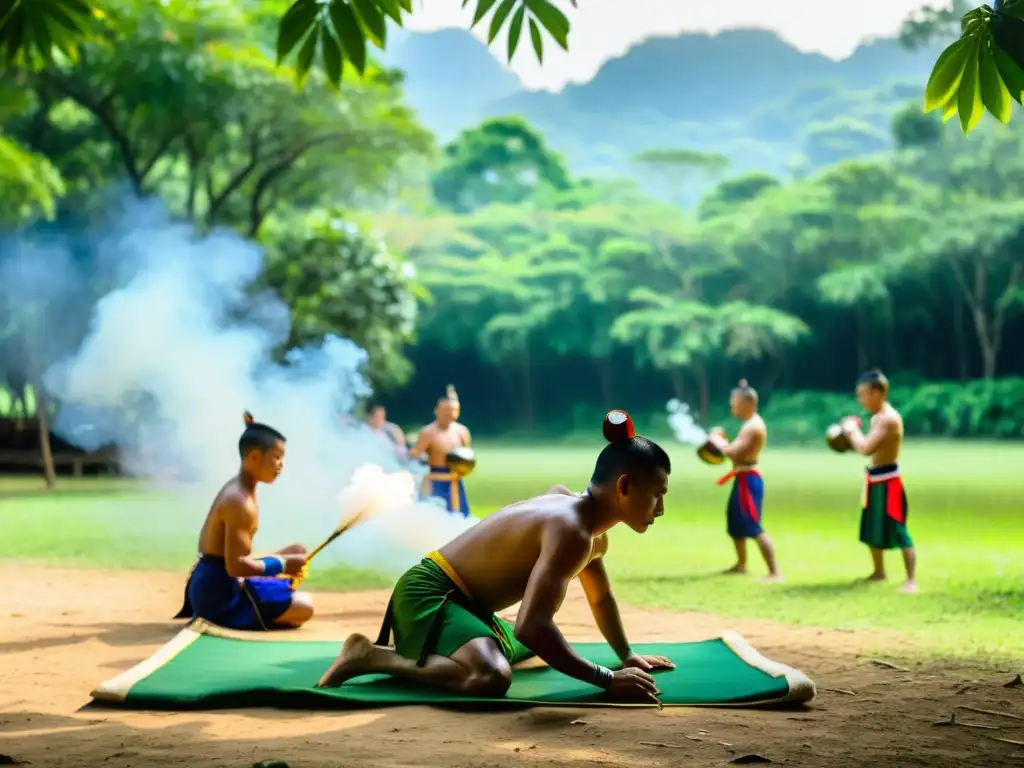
(228, 586)
(442, 610)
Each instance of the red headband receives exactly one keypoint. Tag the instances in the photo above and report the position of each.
(618, 426)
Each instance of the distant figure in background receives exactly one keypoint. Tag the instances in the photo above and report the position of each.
(436, 441)
(228, 586)
(746, 500)
(883, 521)
(377, 420)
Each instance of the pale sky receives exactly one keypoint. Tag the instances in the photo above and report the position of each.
(603, 29)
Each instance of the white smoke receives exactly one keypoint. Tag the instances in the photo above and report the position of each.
(683, 425)
(178, 348)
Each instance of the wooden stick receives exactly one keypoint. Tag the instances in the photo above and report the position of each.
(1015, 742)
(888, 665)
(989, 712)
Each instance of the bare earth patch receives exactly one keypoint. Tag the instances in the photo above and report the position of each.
(65, 631)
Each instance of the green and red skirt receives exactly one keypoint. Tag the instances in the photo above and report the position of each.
(883, 519)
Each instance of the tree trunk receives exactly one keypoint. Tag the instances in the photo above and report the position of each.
(49, 470)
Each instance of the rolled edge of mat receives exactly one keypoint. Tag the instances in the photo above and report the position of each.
(116, 689)
(801, 687)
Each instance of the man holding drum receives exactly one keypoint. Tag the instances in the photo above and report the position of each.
(883, 522)
(743, 512)
(438, 441)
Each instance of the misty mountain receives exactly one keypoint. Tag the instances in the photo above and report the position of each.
(745, 93)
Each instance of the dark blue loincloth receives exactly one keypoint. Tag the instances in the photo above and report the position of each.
(446, 485)
(250, 604)
(746, 500)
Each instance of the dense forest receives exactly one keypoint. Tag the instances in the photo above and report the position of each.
(543, 290)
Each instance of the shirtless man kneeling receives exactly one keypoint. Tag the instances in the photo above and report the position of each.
(442, 611)
(228, 586)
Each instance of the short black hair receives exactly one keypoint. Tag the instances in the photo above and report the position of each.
(874, 379)
(257, 437)
(634, 455)
(744, 390)
(374, 405)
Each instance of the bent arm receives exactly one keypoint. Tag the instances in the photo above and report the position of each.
(421, 445)
(866, 446)
(744, 442)
(467, 438)
(598, 589)
(238, 559)
(561, 553)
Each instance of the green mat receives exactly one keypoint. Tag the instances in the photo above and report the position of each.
(205, 667)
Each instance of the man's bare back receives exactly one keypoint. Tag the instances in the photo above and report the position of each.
(496, 556)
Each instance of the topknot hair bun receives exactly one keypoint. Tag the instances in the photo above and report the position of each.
(618, 426)
(249, 420)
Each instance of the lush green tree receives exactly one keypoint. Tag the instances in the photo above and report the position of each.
(911, 128)
(677, 170)
(499, 161)
(338, 280)
(195, 112)
(828, 143)
(732, 192)
(333, 32)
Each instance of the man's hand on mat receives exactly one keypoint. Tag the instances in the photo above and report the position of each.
(633, 683)
(648, 663)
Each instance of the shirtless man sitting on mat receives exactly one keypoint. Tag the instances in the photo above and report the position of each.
(442, 611)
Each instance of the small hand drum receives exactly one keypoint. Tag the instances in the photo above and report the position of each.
(461, 461)
(709, 453)
(837, 439)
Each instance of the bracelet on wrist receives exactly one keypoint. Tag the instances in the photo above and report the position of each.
(602, 677)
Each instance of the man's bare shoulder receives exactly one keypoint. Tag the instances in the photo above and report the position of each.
(755, 424)
(562, 521)
(234, 506)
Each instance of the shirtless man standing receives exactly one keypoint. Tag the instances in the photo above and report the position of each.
(436, 441)
(883, 521)
(442, 611)
(226, 587)
(745, 506)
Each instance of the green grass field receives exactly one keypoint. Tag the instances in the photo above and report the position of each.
(965, 499)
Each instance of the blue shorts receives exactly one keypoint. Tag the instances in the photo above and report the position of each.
(252, 604)
(743, 513)
(447, 486)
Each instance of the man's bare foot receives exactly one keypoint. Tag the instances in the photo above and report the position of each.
(909, 587)
(736, 570)
(876, 577)
(772, 578)
(355, 659)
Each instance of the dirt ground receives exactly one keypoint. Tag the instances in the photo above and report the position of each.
(65, 631)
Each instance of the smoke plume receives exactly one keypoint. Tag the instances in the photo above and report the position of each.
(177, 345)
(683, 425)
